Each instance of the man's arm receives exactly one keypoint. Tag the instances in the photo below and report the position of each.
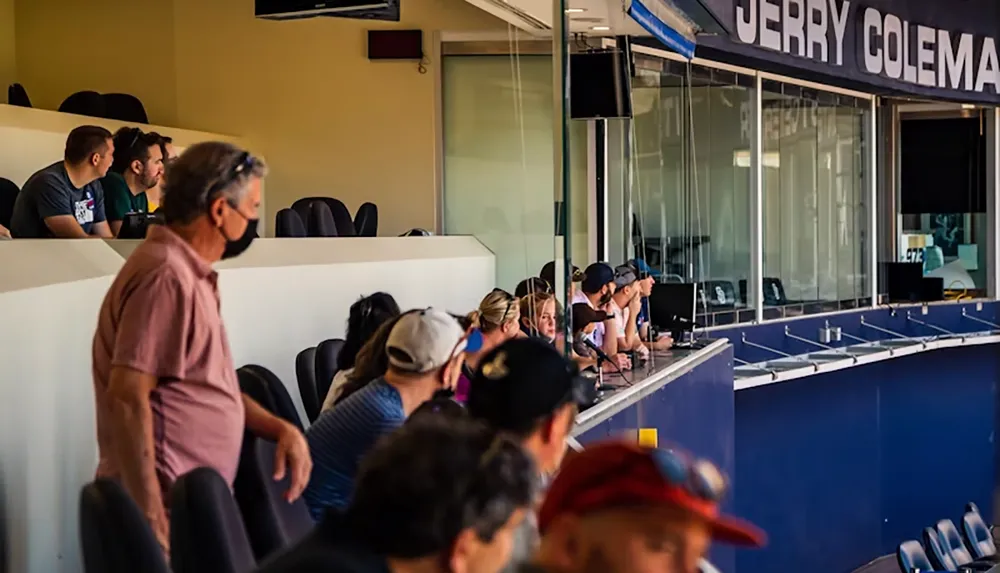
(132, 424)
(632, 340)
(292, 451)
(116, 227)
(55, 207)
(100, 227)
(65, 227)
(102, 230)
(148, 347)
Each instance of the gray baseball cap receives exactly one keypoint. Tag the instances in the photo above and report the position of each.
(424, 340)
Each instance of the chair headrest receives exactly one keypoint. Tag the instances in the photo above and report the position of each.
(206, 530)
(114, 534)
(271, 522)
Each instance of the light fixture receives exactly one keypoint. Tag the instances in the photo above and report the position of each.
(968, 106)
(575, 10)
(600, 28)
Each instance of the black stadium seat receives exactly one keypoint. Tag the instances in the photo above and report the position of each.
(283, 405)
(287, 223)
(305, 374)
(271, 522)
(256, 388)
(85, 103)
(342, 217)
(320, 222)
(114, 535)
(342, 221)
(17, 95)
(206, 530)
(326, 365)
(366, 220)
(8, 194)
(125, 107)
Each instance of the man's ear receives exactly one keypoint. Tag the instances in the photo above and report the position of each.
(462, 551)
(136, 166)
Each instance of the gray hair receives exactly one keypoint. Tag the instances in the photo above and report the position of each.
(204, 172)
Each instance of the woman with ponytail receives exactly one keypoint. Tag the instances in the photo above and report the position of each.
(498, 318)
(367, 314)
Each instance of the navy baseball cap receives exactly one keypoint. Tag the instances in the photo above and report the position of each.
(522, 381)
(596, 276)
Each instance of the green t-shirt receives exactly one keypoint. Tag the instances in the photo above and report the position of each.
(119, 200)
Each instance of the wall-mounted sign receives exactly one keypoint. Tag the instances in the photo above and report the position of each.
(942, 49)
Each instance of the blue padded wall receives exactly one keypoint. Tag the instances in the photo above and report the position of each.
(694, 411)
(841, 467)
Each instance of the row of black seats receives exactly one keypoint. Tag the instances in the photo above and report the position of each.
(945, 549)
(122, 107)
(325, 217)
(315, 368)
(212, 530)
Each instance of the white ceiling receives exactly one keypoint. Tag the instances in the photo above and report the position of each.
(589, 17)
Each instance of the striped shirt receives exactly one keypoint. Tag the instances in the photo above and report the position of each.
(341, 437)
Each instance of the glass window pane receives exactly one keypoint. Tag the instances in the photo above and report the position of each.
(815, 222)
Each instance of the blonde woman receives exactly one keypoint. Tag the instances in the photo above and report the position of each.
(538, 316)
(498, 318)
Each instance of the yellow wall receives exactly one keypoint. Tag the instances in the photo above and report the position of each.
(302, 92)
(8, 59)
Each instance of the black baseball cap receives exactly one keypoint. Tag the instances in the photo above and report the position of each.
(521, 382)
(532, 285)
(548, 274)
(596, 276)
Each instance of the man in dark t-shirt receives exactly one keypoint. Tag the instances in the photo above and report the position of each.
(65, 200)
(137, 168)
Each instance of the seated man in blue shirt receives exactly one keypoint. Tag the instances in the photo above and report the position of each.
(425, 350)
(442, 494)
(65, 200)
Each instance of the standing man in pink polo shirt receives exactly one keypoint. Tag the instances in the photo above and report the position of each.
(167, 396)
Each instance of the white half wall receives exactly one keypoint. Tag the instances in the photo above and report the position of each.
(280, 297)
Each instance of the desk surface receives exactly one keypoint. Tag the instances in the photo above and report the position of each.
(643, 380)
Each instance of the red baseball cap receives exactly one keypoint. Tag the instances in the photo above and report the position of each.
(614, 474)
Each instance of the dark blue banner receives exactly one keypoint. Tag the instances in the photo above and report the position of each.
(945, 49)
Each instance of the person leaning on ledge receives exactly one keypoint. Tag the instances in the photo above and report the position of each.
(167, 397)
(65, 200)
(136, 169)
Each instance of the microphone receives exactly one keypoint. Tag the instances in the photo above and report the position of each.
(601, 355)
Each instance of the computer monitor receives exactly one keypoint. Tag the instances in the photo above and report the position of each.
(672, 307)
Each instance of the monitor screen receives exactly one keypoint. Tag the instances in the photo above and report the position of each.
(672, 306)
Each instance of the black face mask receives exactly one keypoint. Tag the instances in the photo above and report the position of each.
(236, 247)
